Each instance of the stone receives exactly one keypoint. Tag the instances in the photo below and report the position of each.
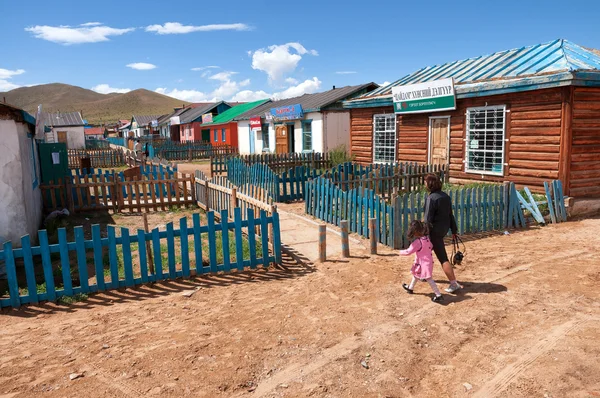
(188, 293)
(364, 364)
(105, 346)
(74, 376)
(467, 386)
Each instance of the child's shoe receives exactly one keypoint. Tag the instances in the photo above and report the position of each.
(437, 299)
(408, 289)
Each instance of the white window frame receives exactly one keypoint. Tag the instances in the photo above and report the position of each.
(386, 115)
(430, 141)
(467, 140)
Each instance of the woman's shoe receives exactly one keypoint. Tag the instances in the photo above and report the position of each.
(437, 299)
(408, 289)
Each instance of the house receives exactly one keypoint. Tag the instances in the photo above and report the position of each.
(20, 197)
(94, 133)
(65, 127)
(125, 129)
(526, 115)
(309, 123)
(143, 125)
(223, 129)
(168, 125)
(189, 121)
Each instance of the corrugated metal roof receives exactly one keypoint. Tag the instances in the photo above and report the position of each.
(232, 113)
(94, 131)
(143, 120)
(195, 113)
(310, 102)
(61, 119)
(539, 60)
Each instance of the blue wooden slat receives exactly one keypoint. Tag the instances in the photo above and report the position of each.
(81, 259)
(11, 275)
(185, 254)
(65, 262)
(212, 247)
(47, 265)
(171, 250)
(197, 243)
(264, 234)
(549, 200)
(127, 261)
(98, 261)
(277, 238)
(239, 243)
(252, 238)
(112, 257)
(225, 240)
(157, 252)
(141, 235)
(29, 270)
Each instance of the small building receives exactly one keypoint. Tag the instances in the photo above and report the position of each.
(143, 125)
(66, 127)
(190, 121)
(94, 133)
(124, 130)
(168, 125)
(526, 115)
(20, 197)
(309, 123)
(223, 129)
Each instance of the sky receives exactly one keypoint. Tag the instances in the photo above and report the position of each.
(249, 50)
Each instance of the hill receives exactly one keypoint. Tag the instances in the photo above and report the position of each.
(96, 108)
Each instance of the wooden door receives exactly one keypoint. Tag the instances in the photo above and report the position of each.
(281, 139)
(62, 137)
(438, 140)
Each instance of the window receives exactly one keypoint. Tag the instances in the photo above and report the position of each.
(307, 135)
(216, 133)
(384, 138)
(223, 135)
(485, 140)
(265, 136)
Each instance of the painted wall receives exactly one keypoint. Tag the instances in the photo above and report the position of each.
(20, 202)
(75, 136)
(337, 130)
(231, 134)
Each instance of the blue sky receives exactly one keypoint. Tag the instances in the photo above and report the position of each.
(259, 49)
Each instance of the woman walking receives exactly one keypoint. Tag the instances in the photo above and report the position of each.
(439, 217)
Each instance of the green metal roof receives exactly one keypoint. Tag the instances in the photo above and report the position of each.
(234, 112)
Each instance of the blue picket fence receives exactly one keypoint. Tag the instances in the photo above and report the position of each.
(328, 202)
(121, 141)
(191, 249)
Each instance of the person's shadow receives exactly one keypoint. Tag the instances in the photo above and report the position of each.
(464, 293)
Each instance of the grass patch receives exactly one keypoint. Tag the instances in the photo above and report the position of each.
(67, 300)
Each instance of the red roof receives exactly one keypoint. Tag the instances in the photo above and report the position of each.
(94, 131)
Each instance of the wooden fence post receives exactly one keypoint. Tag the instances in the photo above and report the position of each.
(190, 154)
(148, 251)
(506, 200)
(206, 195)
(397, 222)
(373, 234)
(345, 240)
(322, 243)
(234, 203)
(272, 211)
(211, 167)
(69, 195)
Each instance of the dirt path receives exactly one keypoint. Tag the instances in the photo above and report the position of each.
(526, 324)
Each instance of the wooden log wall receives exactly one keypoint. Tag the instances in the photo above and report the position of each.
(361, 132)
(585, 148)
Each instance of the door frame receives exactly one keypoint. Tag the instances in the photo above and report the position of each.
(430, 141)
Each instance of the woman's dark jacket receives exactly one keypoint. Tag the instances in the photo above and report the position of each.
(438, 214)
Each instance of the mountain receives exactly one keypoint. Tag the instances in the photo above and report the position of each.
(96, 108)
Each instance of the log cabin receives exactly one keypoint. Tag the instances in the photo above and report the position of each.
(526, 115)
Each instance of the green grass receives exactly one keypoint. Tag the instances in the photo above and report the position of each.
(67, 300)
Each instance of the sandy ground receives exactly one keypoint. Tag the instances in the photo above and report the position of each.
(191, 167)
(526, 325)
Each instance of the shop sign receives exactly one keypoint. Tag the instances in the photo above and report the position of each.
(255, 123)
(434, 96)
(289, 112)
(207, 118)
(154, 123)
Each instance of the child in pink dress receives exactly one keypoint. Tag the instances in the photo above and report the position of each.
(422, 269)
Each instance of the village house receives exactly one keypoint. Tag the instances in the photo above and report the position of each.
(309, 123)
(526, 115)
(94, 133)
(65, 127)
(190, 121)
(20, 197)
(143, 125)
(223, 129)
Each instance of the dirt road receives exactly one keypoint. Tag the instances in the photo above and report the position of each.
(526, 325)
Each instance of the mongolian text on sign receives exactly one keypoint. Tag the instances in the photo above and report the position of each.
(255, 123)
(431, 96)
(207, 118)
(289, 112)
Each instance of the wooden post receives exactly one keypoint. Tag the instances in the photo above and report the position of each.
(345, 240)
(211, 167)
(322, 243)
(148, 251)
(190, 154)
(206, 195)
(234, 202)
(272, 211)
(69, 195)
(373, 234)
(193, 187)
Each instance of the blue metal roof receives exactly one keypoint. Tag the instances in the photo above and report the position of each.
(526, 68)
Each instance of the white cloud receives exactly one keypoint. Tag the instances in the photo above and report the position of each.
(5, 85)
(306, 87)
(7, 73)
(105, 89)
(173, 28)
(91, 24)
(346, 72)
(249, 96)
(201, 68)
(223, 76)
(184, 95)
(279, 60)
(384, 84)
(68, 35)
(141, 66)
(226, 90)
(291, 81)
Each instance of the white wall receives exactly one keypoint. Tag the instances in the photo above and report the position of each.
(337, 130)
(20, 203)
(75, 136)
